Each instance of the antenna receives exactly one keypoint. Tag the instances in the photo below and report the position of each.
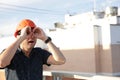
(94, 6)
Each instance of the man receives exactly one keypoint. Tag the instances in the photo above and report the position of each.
(21, 60)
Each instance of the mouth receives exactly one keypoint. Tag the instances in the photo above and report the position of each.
(30, 41)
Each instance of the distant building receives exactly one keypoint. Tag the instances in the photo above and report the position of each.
(90, 42)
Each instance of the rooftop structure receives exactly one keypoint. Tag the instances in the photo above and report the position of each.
(90, 42)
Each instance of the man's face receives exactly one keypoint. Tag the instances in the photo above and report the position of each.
(30, 41)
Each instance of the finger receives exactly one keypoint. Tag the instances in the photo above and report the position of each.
(23, 31)
(28, 30)
(37, 30)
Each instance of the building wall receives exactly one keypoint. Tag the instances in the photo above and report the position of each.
(77, 61)
(105, 56)
(115, 47)
(96, 52)
(77, 44)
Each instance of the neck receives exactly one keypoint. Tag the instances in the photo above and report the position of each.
(26, 51)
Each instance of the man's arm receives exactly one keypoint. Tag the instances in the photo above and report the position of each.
(7, 55)
(57, 57)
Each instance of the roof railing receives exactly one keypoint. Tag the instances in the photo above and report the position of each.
(58, 75)
(61, 75)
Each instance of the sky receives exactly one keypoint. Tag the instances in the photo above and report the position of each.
(45, 12)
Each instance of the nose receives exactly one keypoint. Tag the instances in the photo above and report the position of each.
(32, 35)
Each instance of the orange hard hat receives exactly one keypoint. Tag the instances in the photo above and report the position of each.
(24, 23)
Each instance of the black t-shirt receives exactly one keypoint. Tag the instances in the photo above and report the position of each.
(24, 68)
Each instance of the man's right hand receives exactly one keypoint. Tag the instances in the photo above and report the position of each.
(25, 32)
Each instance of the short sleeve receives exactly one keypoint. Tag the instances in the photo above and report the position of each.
(45, 55)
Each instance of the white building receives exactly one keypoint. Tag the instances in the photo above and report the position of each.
(90, 42)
